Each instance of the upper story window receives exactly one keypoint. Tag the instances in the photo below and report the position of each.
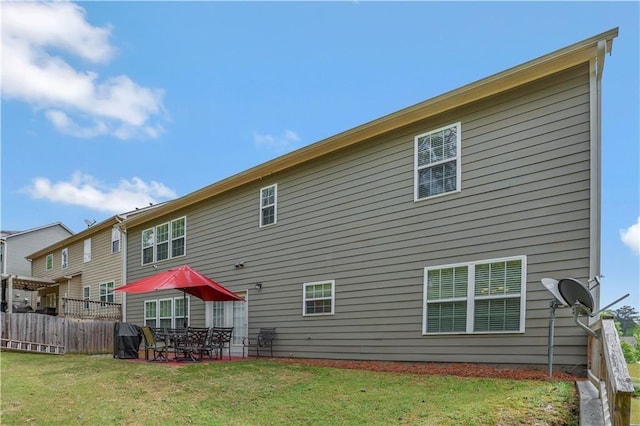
(164, 241)
(268, 201)
(64, 258)
(87, 250)
(115, 240)
(49, 262)
(318, 298)
(476, 297)
(437, 162)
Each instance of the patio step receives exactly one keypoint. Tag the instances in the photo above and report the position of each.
(24, 346)
(591, 413)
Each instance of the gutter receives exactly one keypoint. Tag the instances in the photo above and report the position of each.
(595, 207)
(123, 262)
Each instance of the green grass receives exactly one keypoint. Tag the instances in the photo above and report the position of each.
(634, 372)
(84, 390)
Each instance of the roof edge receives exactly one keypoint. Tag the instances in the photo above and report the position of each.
(561, 59)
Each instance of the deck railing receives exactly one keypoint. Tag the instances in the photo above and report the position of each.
(609, 374)
(90, 309)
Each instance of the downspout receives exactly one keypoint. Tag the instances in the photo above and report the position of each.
(123, 263)
(595, 99)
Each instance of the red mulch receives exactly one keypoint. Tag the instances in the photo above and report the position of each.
(440, 369)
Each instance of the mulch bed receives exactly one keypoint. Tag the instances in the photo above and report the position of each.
(440, 369)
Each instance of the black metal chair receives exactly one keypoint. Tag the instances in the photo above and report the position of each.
(264, 340)
(194, 343)
(221, 338)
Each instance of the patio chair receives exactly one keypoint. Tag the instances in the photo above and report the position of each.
(221, 338)
(159, 347)
(264, 340)
(193, 344)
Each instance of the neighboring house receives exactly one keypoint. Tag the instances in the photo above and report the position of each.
(420, 236)
(14, 248)
(86, 267)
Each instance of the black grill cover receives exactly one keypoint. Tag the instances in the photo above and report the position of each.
(126, 340)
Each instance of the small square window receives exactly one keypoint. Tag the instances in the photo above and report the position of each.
(318, 298)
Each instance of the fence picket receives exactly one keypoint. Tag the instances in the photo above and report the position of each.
(46, 333)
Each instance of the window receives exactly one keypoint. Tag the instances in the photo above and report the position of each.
(86, 296)
(437, 162)
(49, 262)
(268, 199)
(476, 297)
(87, 250)
(164, 241)
(318, 298)
(64, 258)
(106, 292)
(115, 240)
(166, 313)
(178, 232)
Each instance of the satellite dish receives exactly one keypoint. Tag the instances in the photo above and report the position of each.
(90, 223)
(552, 285)
(573, 291)
(568, 291)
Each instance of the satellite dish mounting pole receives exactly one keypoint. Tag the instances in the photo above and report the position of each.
(552, 319)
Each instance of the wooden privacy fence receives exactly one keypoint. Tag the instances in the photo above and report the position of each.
(49, 334)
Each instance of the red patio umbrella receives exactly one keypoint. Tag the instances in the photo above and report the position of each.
(183, 278)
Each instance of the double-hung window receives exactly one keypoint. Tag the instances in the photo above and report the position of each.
(115, 240)
(86, 296)
(164, 241)
(318, 298)
(476, 297)
(166, 313)
(49, 262)
(106, 292)
(268, 205)
(86, 250)
(64, 258)
(437, 162)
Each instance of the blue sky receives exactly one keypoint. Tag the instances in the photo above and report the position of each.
(108, 106)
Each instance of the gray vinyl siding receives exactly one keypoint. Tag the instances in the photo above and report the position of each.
(21, 245)
(351, 217)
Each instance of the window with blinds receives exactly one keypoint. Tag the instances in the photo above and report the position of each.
(475, 297)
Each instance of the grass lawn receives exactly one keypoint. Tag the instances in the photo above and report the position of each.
(634, 372)
(74, 389)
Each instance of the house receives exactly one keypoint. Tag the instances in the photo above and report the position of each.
(14, 247)
(420, 236)
(85, 267)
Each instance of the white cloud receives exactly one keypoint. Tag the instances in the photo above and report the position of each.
(282, 143)
(631, 236)
(83, 190)
(33, 74)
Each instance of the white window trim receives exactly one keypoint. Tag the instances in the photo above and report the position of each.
(170, 241)
(64, 258)
(86, 250)
(173, 311)
(113, 287)
(275, 205)
(86, 295)
(416, 198)
(471, 298)
(46, 262)
(116, 235)
(333, 298)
